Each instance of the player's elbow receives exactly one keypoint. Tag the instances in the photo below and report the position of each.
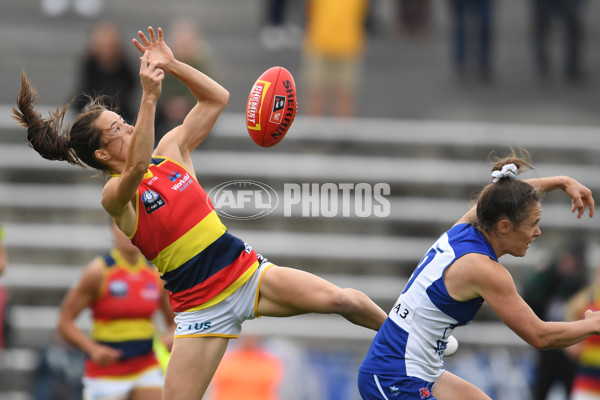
(223, 97)
(62, 325)
(217, 102)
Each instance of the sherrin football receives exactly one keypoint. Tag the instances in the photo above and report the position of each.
(271, 106)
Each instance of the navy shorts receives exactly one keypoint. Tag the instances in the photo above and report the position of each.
(389, 387)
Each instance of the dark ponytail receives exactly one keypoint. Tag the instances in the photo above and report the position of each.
(507, 197)
(46, 136)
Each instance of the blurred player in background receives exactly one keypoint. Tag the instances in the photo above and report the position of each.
(586, 384)
(123, 291)
(460, 272)
(215, 279)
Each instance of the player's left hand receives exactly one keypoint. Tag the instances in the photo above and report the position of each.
(581, 197)
(156, 48)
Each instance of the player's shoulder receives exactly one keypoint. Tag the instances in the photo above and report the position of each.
(171, 148)
(480, 267)
(93, 274)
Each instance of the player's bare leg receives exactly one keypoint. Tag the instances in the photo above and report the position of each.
(192, 365)
(285, 292)
(451, 387)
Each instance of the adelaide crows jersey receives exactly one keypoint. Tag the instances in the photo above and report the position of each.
(178, 230)
(587, 379)
(122, 315)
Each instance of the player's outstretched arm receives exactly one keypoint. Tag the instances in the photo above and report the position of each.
(581, 196)
(212, 97)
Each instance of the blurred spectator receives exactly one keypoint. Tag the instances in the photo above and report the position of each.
(569, 11)
(414, 17)
(106, 70)
(189, 46)
(586, 385)
(333, 55)
(547, 292)
(276, 34)
(247, 372)
(472, 38)
(86, 8)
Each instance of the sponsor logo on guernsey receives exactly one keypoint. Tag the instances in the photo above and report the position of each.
(152, 201)
(173, 176)
(152, 180)
(440, 347)
(118, 288)
(181, 182)
(150, 292)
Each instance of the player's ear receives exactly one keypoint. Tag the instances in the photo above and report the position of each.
(504, 226)
(102, 155)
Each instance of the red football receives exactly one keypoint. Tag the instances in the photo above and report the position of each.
(271, 106)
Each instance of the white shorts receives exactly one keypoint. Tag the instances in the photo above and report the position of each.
(225, 318)
(120, 388)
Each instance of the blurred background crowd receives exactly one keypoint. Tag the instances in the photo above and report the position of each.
(456, 59)
(445, 81)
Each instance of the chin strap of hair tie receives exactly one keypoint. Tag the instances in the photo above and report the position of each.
(508, 171)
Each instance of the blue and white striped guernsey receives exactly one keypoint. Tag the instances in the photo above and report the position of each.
(412, 340)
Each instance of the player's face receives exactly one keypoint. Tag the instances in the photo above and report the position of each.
(518, 240)
(116, 134)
